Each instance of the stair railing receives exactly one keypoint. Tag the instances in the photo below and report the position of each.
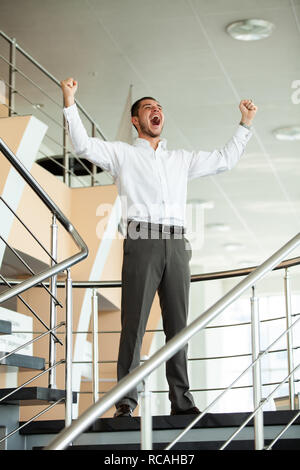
(145, 395)
(70, 433)
(58, 137)
(38, 279)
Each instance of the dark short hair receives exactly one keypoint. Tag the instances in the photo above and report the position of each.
(135, 107)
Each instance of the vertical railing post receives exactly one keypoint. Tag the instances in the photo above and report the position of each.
(288, 310)
(256, 373)
(66, 163)
(95, 346)
(69, 350)
(146, 415)
(12, 78)
(94, 167)
(53, 290)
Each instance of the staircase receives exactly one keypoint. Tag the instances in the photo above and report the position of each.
(210, 431)
(28, 394)
(11, 399)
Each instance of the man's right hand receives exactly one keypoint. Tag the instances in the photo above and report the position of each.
(69, 88)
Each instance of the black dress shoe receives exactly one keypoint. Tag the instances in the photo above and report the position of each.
(190, 411)
(123, 410)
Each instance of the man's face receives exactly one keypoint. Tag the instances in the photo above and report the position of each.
(150, 119)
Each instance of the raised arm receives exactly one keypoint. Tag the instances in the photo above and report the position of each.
(107, 155)
(203, 163)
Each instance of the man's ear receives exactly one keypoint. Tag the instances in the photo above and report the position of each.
(134, 121)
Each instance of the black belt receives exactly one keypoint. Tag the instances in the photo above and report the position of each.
(157, 227)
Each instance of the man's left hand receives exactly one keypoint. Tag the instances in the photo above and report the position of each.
(248, 110)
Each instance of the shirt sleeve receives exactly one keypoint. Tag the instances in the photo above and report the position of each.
(104, 154)
(209, 163)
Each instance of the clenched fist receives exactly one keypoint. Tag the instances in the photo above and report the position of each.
(248, 110)
(69, 88)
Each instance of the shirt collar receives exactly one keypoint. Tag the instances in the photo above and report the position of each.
(139, 142)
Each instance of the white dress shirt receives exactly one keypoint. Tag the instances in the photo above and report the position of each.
(152, 183)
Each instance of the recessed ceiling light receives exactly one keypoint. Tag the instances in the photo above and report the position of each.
(250, 30)
(218, 227)
(287, 133)
(233, 246)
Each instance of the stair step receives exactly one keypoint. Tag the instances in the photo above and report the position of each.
(22, 361)
(124, 424)
(33, 396)
(123, 434)
(283, 444)
(5, 327)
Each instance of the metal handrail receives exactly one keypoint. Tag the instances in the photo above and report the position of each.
(213, 276)
(61, 266)
(51, 274)
(231, 386)
(175, 344)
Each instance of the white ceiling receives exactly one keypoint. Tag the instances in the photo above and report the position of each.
(179, 52)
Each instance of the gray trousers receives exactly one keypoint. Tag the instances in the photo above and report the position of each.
(151, 265)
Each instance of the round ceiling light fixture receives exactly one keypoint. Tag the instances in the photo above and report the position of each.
(287, 133)
(250, 30)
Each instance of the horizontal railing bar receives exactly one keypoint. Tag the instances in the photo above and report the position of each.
(32, 380)
(202, 390)
(31, 342)
(32, 419)
(241, 272)
(194, 277)
(209, 358)
(159, 330)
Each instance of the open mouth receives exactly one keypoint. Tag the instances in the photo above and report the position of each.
(155, 121)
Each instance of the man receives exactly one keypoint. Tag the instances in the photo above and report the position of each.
(153, 182)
